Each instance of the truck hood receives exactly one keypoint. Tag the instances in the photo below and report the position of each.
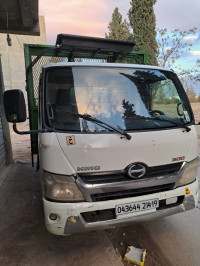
(110, 152)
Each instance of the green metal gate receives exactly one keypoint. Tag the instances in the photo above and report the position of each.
(31, 51)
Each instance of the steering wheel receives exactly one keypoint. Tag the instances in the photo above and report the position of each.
(156, 112)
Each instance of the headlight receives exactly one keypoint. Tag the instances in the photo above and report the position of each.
(189, 173)
(61, 188)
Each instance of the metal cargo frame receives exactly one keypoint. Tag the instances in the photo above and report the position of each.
(31, 51)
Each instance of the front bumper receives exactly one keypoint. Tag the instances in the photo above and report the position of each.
(71, 215)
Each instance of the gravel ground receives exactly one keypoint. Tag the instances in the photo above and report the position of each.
(21, 144)
(135, 235)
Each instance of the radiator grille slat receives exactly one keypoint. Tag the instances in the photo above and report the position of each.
(131, 193)
(151, 172)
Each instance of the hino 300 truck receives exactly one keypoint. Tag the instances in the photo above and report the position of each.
(115, 138)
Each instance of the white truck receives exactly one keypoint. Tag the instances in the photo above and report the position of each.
(117, 141)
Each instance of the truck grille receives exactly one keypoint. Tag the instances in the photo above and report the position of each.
(161, 170)
(131, 193)
(168, 169)
(99, 179)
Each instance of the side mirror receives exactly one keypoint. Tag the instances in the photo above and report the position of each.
(15, 110)
(14, 106)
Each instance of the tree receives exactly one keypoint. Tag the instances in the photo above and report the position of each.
(172, 44)
(118, 29)
(142, 20)
(128, 107)
(191, 95)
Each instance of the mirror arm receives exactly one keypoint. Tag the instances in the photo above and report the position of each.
(29, 132)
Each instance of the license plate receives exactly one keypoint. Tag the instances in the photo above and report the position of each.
(136, 206)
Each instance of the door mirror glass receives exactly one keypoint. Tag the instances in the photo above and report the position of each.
(180, 109)
(14, 105)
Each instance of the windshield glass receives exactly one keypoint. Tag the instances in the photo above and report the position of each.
(125, 98)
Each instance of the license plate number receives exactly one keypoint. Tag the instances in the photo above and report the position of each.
(136, 206)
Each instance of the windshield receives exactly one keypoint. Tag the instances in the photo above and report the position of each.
(125, 98)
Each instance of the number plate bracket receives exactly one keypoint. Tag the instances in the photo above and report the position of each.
(136, 206)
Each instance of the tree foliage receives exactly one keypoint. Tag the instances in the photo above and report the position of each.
(128, 107)
(172, 44)
(118, 29)
(191, 95)
(143, 22)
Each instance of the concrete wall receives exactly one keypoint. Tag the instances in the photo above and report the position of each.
(12, 57)
(5, 143)
(12, 73)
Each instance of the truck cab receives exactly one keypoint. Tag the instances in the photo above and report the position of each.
(117, 144)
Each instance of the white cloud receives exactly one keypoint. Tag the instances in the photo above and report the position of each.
(75, 17)
(190, 38)
(182, 14)
(167, 48)
(195, 53)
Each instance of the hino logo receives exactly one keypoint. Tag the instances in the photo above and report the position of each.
(136, 170)
(88, 168)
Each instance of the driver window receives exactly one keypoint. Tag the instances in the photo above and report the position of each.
(164, 97)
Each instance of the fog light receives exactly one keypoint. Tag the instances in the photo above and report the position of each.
(53, 216)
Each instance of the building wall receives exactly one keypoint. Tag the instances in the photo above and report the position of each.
(6, 157)
(12, 57)
(12, 76)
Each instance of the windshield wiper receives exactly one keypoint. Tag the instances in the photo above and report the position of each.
(165, 120)
(97, 121)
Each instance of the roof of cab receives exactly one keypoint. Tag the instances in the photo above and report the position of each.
(97, 64)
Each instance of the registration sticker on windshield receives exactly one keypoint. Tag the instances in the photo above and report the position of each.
(136, 206)
(187, 118)
(70, 140)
